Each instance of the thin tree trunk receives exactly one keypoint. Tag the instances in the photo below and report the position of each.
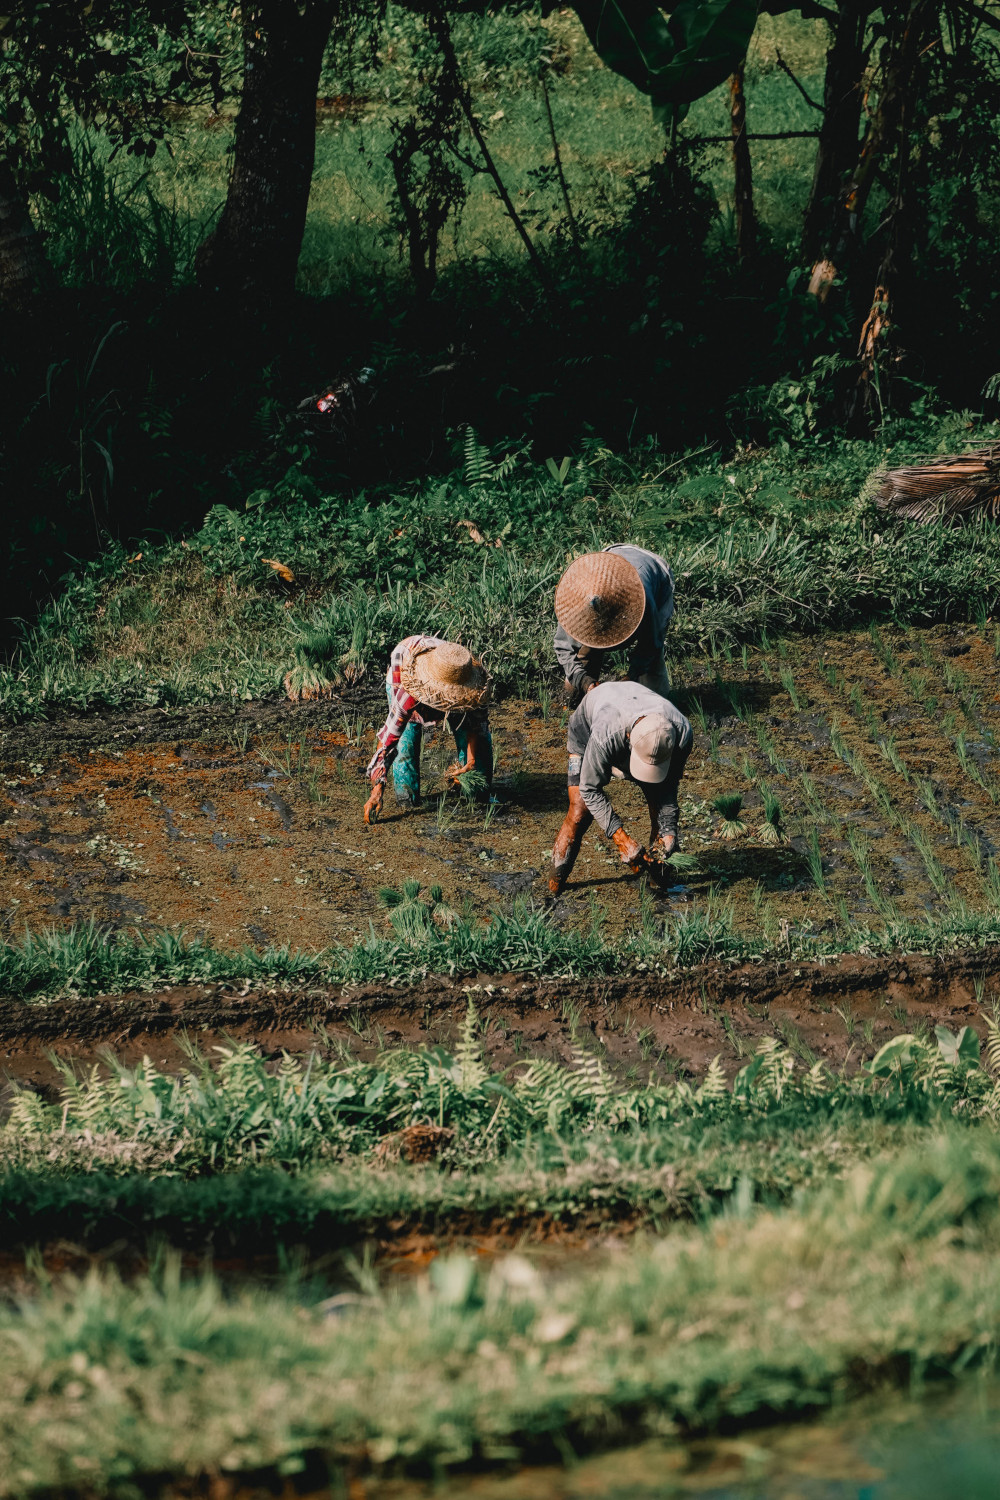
(897, 123)
(826, 220)
(254, 250)
(22, 259)
(746, 223)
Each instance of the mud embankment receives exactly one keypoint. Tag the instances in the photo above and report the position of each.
(836, 1010)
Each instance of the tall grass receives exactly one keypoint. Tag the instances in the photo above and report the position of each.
(699, 1330)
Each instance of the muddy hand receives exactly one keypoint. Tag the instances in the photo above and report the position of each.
(454, 773)
(664, 846)
(631, 853)
(373, 807)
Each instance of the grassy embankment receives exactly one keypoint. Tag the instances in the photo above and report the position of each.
(888, 1277)
(766, 542)
(888, 1181)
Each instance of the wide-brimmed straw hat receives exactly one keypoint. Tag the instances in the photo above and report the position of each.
(446, 677)
(600, 600)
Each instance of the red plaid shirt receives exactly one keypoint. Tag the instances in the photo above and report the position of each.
(402, 707)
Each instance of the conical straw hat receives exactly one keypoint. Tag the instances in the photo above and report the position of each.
(600, 600)
(447, 677)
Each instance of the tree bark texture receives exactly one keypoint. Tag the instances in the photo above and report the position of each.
(897, 125)
(22, 259)
(253, 252)
(826, 220)
(746, 224)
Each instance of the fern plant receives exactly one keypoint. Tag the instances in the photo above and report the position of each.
(479, 468)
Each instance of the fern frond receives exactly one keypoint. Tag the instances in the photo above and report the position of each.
(992, 1041)
(469, 1053)
(714, 1088)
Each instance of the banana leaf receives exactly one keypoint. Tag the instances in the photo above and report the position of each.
(675, 61)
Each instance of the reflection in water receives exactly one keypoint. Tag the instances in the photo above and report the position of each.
(942, 1448)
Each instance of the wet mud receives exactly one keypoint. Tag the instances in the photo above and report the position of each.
(246, 826)
(641, 1025)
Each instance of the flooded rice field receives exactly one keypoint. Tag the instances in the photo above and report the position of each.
(247, 826)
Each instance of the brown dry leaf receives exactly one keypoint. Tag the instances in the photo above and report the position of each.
(280, 568)
(136, 558)
(474, 532)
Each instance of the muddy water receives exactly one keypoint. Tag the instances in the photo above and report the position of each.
(944, 1448)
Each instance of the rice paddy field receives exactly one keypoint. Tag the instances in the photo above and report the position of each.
(346, 1157)
(340, 1160)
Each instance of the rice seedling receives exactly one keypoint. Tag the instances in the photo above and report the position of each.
(814, 860)
(769, 749)
(889, 751)
(813, 800)
(729, 805)
(883, 650)
(742, 1046)
(972, 770)
(698, 716)
(846, 1014)
(928, 797)
(861, 853)
(936, 874)
(771, 830)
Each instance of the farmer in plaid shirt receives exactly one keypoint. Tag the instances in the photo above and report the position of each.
(430, 680)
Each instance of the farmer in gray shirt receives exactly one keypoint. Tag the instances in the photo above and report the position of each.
(622, 729)
(623, 596)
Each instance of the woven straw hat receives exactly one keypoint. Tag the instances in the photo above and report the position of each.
(446, 676)
(600, 600)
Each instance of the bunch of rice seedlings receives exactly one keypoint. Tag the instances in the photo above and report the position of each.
(771, 831)
(729, 806)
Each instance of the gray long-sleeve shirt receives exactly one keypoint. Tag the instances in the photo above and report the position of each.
(646, 647)
(598, 732)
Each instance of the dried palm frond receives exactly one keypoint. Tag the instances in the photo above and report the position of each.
(959, 487)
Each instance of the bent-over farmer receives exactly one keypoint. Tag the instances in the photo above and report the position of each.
(622, 729)
(623, 596)
(429, 680)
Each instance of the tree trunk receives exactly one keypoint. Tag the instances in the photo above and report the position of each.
(746, 224)
(22, 259)
(253, 252)
(898, 126)
(837, 151)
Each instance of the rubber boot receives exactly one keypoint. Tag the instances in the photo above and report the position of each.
(568, 840)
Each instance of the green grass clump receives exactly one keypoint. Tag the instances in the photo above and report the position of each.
(87, 960)
(703, 1329)
(729, 806)
(771, 830)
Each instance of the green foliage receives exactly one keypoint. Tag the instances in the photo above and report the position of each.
(235, 1110)
(908, 1241)
(729, 805)
(674, 61)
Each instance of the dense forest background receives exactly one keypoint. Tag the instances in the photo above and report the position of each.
(550, 229)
